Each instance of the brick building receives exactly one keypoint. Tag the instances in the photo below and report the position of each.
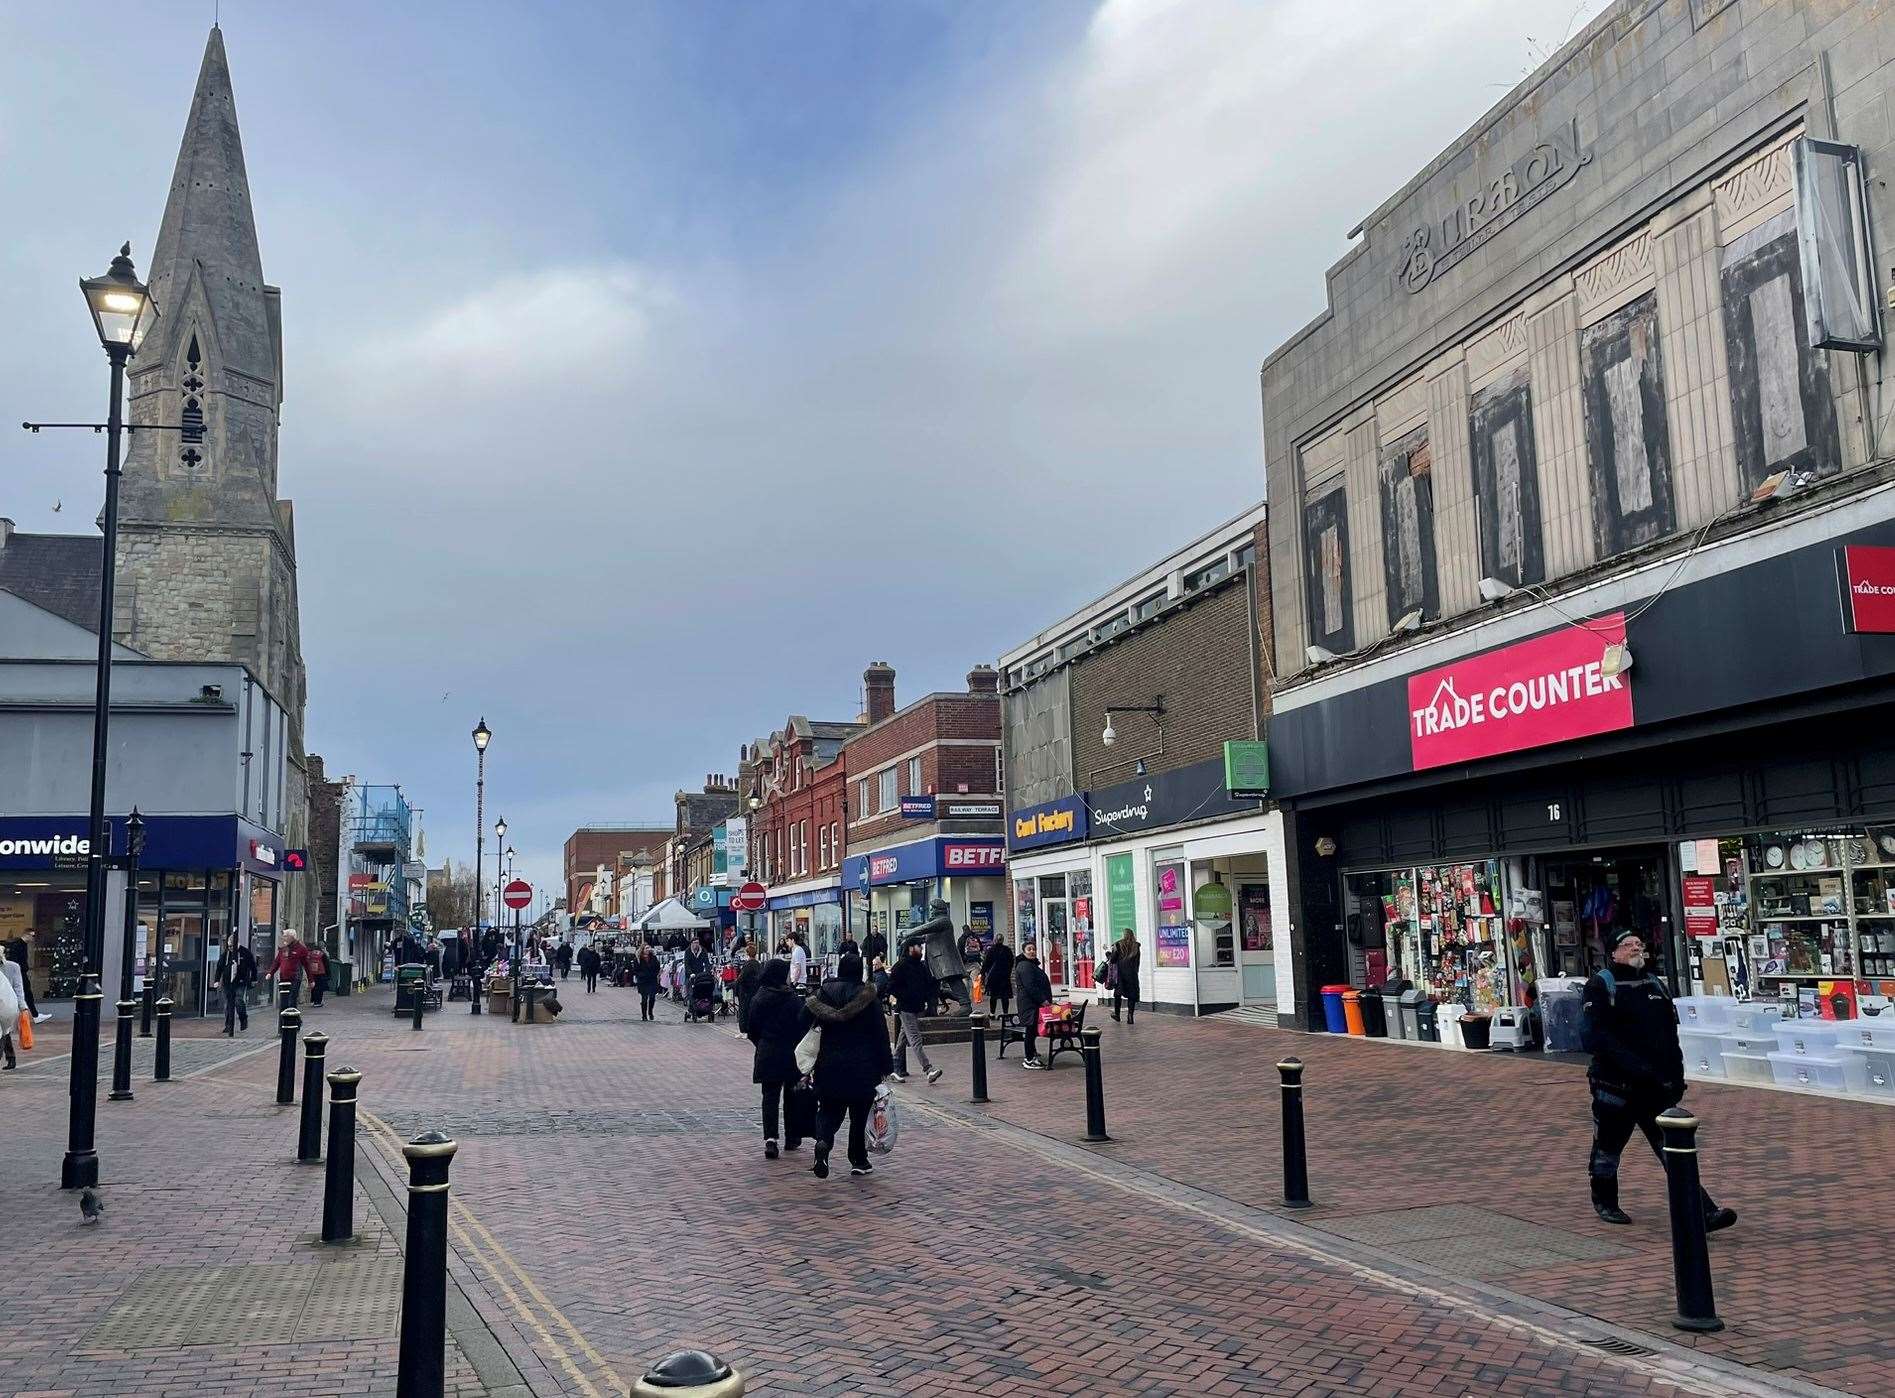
(924, 807)
(1120, 816)
(592, 847)
(324, 878)
(795, 827)
(687, 855)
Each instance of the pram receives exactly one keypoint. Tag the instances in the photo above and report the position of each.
(702, 1002)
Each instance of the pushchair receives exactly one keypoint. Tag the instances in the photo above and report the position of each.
(702, 1000)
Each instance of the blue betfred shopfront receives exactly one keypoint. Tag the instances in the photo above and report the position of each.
(199, 877)
(968, 872)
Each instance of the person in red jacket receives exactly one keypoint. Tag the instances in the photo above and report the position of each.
(291, 963)
(316, 962)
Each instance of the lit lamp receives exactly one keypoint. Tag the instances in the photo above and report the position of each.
(121, 305)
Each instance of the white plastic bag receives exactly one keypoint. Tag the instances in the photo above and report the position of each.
(884, 1125)
(806, 1050)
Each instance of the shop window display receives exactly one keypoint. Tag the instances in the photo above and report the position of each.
(1438, 926)
(1822, 919)
(1079, 889)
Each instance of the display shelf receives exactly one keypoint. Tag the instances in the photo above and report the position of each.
(1809, 873)
(1767, 918)
(1845, 931)
(1805, 975)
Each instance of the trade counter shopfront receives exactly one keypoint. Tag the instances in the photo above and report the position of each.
(1478, 818)
(199, 877)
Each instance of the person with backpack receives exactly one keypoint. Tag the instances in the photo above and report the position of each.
(996, 977)
(777, 1021)
(852, 1058)
(1032, 990)
(1629, 1026)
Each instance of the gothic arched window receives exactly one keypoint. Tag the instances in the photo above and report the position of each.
(191, 415)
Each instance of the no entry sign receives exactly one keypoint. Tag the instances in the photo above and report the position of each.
(749, 898)
(517, 894)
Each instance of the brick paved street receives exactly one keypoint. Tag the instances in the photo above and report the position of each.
(611, 1201)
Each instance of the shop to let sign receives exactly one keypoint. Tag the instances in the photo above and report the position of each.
(1868, 588)
(1550, 689)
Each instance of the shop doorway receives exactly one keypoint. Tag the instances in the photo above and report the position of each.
(1591, 897)
(1055, 917)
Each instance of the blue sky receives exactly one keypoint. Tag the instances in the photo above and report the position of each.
(651, 368)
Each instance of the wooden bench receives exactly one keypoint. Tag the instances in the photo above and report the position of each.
(1061, 1037)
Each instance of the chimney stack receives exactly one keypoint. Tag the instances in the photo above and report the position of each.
(879, 682)
(6, 530)
(983, 679)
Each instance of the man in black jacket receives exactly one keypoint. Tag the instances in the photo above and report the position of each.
(911, 985)
(1630, 1028)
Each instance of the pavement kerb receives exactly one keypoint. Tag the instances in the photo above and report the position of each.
(1554, 1325)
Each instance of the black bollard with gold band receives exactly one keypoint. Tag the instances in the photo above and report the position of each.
(1095, 1085)
(338, 1184)
(122, 1053)
(977, 1039)
(422, 1368)
(161, 1060)
(690, 1373)
(289, 1023)
(309, 1133)
(1295, 1160)
(1690, 1253)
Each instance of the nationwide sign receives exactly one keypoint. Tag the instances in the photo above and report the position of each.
(78, 845)
(1550, 689)
(1868, 588)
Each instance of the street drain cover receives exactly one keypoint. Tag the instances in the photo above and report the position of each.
(1466, 1241)
(276, 1303)
(1621, 1347)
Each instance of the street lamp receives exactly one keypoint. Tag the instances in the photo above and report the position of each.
(482, 736)
(123, 314)
(122, 1046)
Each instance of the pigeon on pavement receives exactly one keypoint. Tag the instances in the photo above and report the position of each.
(91, 1206)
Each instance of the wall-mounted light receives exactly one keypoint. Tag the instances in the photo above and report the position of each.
(1408, 621)
(1616, 660)
(1325, 846)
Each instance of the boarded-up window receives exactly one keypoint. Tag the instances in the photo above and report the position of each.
(1507, 481)
(1408, 527)
(1625, 428)
(1326, 580)
(1781, 408)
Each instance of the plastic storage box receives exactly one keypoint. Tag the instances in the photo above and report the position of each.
(1512, 1028)
(1705, 1011)
(1703, 1052)
(1837, 1073)
(1877, 1077)
(1755, 1016)
(1866, 1033)
(1810, 1037)
(1747, 1067)
(1450, 1017)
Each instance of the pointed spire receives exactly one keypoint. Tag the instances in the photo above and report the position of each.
(208, 228)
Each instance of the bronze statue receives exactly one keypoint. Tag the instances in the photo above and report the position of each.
(942, 952)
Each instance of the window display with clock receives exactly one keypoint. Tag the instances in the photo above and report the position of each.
(1822, 906)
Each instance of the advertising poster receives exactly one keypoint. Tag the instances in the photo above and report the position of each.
(1121, 897)
(1254, 909)
(980, 919)
(1700, 905)
(1174, 945)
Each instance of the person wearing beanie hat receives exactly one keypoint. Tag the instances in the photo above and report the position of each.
(1630, 1028)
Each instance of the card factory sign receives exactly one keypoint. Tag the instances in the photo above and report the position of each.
(1438, 244)
(1546, 690)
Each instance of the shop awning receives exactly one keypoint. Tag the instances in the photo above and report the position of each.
(668, 916)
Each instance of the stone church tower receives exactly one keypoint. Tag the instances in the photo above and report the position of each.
(206, 550)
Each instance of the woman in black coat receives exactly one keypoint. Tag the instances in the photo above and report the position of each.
(775, 1023)
(853, 1060)
(996, 975)
(645, 974)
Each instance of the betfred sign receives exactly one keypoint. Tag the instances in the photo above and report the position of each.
(968, 858)
(1868, 589)
(1550, 689)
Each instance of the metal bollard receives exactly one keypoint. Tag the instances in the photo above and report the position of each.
(309, 1136)
(1690, 1253)
(1295, 1161)
(690, 1373)
(479, 979)
(977, 1024)
(122, 1054)
(148, 1001)
(338, 1185)
(422, 1363)
(289, 1022)
(1095, 1084)
(161, 1070)
(420, 1000)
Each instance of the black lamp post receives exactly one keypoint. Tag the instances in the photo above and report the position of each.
(482, 736)
(123, 314)
(122, 1045)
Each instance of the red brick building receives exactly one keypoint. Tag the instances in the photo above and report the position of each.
(796, 828)
(924, 806)
(591, 846)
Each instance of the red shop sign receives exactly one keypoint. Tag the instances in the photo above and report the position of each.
(1700, 906)
(1546, 690)
(1868, 588)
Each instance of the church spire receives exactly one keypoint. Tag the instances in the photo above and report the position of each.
(209, 230)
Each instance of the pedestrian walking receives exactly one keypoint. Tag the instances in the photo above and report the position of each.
(589, 969)
(645, 976)
(1032, 990)
(564, 958)
(317, 964)
(878, 977)
(749, 980)
(851, 1061)
(874, 945)
(12, 1006)
(911, 984)
(236, 971)
(291, 964)
(799, 961)
(996, 975)
(17, 953)
(1126, 956)
(777, 1020)
(1630, 1027)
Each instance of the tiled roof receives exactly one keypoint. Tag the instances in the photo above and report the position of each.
(59, 572)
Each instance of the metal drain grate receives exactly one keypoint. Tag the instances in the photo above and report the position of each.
(1624, 1348)
(1464, 1240)
(277, 1303)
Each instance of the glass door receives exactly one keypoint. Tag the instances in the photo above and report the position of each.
(1058, 942)
(1085, 945)
(1256, 941)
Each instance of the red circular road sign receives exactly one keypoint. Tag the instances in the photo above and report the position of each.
(749, 898)
(517, 894)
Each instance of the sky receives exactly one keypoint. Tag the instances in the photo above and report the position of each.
(651, 368)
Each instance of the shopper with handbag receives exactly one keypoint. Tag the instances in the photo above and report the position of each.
(852, 1058)
(1126, 956)
(1033, 991)
(12, 1006)
(776, 1020)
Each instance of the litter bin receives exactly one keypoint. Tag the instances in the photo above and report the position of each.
(410, 981)
(1352, 1013)
(1374, 1016)
(1474, 1030)
(1332, 1009)
(1428, 1022)
(1411, 1001)
(1392, 1008)
(1448, 1019)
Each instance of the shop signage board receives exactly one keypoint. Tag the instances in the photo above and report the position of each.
(1196, 792)
(917, 808)
(1868, 588)
(949, 856)
(1247, 768)
(1049, 823)
(295, 861)
(967, 857)
(1121, 897)
(1550, 689)
(952, 809)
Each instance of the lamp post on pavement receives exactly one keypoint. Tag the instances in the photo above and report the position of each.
(122, 314)
(482, 736)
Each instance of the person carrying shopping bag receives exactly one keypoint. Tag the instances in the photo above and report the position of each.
(852, 1058)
